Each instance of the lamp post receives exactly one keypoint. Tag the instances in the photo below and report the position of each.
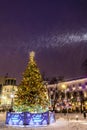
(12, 98)
(49, 93)
(47, 88)
(64, 87)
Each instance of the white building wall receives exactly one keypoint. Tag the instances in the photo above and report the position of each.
(8, 92)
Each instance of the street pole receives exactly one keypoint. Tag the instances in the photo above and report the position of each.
(12, 98)
(66, 100)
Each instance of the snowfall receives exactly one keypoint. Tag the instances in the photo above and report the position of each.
(63, 122)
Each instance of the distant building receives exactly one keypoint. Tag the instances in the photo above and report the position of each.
(78, 90)
(74, 91)
(76, 84)
(2, 82)
(8, 88)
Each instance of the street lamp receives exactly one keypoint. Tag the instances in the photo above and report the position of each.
(64, 87)
(47, 88)
(12, 98)
(49, 93)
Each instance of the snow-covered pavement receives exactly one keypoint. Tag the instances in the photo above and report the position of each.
(62, 123)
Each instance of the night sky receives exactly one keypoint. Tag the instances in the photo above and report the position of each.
(55, 29)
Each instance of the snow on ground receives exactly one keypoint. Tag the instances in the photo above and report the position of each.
(63, 122)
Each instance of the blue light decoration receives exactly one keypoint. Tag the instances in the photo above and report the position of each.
(13, 118)
(36, 119)
(51, 117)
(30, 119)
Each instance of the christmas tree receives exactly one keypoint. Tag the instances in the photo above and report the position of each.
(32, 95)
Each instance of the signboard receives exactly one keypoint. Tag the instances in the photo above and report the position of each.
(51, 117)
(13, 118)
(31, 119)
(37, 119)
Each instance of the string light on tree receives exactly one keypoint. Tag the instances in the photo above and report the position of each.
(32, 95)
(32, 55)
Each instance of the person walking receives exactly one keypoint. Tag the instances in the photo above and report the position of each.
(84, 114)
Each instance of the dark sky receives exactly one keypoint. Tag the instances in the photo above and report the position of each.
(55, 29)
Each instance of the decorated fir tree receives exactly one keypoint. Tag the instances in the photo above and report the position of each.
(32, 95)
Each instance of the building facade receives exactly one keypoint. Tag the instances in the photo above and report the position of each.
(70, 94)
(7, 93)
(76, 93)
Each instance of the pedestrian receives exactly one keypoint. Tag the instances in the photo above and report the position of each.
(84, 114)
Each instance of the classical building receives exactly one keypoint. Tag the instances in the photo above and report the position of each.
(71, 94)
(77, 91)
(8, 88)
